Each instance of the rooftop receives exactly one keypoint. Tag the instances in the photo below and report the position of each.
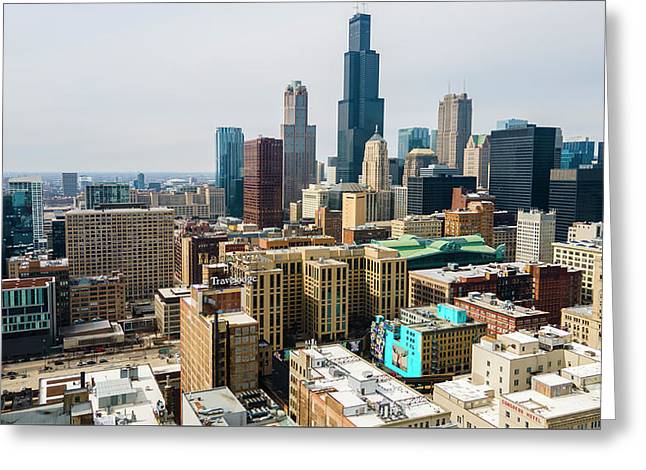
(505, 307)
(454, 273)
(366, 390)
(555, 407)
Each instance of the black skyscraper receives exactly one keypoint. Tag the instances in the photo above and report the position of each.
(430, 194)
(361, 111)
(577, 196)
(520, 162)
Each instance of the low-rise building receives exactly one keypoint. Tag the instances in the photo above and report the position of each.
(508, 363)
(583, 324)
(501, 316)
(471, 406)
(332, 387)
(584, 255)
(438, 344)
(167, 310)
(424, 226)
(93, 334)
(220, 407)
(97, 297)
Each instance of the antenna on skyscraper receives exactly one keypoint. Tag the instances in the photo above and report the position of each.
(464, 85)
(449, 87)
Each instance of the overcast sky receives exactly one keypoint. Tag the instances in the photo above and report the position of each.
(142, 87)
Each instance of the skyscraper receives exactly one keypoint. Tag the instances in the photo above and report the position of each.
(476, 159)
(412, 138)
(430, 194)
(581, 147)
(17, 225)
(577, 196)
(510, 123)
(229, 160)
(34, 185)
(299, 144)
(535, 235)
(361, 109)
(140, 182)
(70, 184)
(263, 182)
(375, 168)
(520, 160)
(453, 129)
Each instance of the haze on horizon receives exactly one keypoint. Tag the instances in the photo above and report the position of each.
(142, 87)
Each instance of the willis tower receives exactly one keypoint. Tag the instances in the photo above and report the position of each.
(361, 111)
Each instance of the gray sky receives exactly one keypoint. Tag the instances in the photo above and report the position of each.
(142, 87)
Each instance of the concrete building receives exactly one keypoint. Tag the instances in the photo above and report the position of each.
(476, 218)
(583, 324)
(581, 231)
(424, 226)
(400, 201)
(417, 159)
(97, 297)
(508, 363)
(219, 343)
(314, 197)
(220, 407)
(476, 159)
(375, 167)
(299, 143)
(453, 129)
(295, 211)
(331, 387)
(167, 313)
(263, 182)
(586, 256)
(378, 206)
(138, 243)
(505, 235)
(355, 209)
(553, 402)
(85, 337)
(535, 231)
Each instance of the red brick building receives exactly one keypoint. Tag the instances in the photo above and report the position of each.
(263, 181)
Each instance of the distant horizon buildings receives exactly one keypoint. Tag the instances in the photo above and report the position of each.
(299, 144)
(229, 162)
(70, 183)
(360, 110)
(453, 129)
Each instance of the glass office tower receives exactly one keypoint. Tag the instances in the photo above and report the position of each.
(229, 161)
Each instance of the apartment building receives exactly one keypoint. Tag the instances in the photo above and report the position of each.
(219, 342)
(325, 299)
(476, 218)
(138, 243)
(505, 235)
(583, 324)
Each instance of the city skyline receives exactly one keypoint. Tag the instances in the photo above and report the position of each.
(79, 118)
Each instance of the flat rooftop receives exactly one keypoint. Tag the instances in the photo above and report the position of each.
(555, 407)
(504, 307)
(462, 273)
(340, 372)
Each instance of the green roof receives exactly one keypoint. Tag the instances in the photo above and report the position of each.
(411, 247)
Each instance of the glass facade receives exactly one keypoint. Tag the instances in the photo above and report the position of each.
(361, 111)
(229, 160)
(17, 225)
(413, 138)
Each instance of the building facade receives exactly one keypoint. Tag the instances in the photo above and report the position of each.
(535, 232)
(453, 129)
(299, 143)
(263, 182)
(229, 163)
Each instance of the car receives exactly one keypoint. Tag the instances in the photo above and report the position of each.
(103, 360)
(91, 363)
(81, 363)
(59, 363)
(12, 373)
